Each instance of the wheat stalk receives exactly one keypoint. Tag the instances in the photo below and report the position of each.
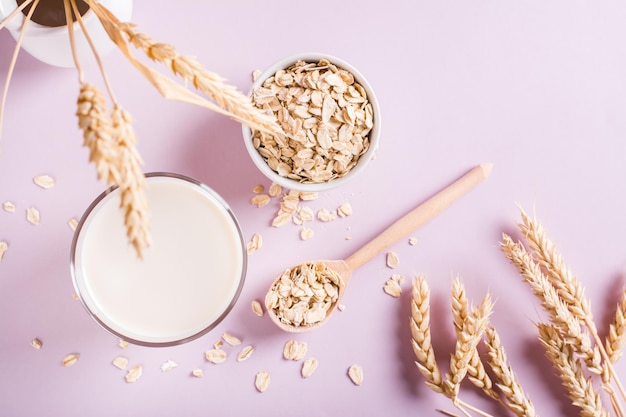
(421, 338)
(467, 341)
(190, 70)
(460, 312)
(514, 397)
(559, 313)
(568, 288)
(134, 203)
(580, 389)
(16, 51)
(549, 259)
(97, 132)
(422, 343)
(230, 102)
(616, 337)
(111, 142)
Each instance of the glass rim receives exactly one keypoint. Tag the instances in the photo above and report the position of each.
(136, 341)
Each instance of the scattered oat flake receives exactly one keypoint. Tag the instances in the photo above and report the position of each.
(294, 351)
(257, 308)
(123, 344)
(168, 365)
(255, 74)
(392, 286)
(275, 190)
(344, 210)
(392, 260)
(215, 355)
(4, 246)
(262, 381)
(73, 223)
(219, 344)
(308, 195)
(341, 307)
(198, 373)
(304, 214)
(308, 367)
(355, 372)
(134, 374)
(306, 233)
(255, 244)
(260, 200)
(325, 215)
(281, 219)
(36, 343)
(44, 181)
(8, 206)
(75, 296)
(412, 241)
(120, 362)
(32, 215)
(258, 189)
(70, 359)
(245, 353)
(231, 340)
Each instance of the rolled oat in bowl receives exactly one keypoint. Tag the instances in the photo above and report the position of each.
(330, 118)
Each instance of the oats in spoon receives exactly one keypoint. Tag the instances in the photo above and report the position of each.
(304, 294)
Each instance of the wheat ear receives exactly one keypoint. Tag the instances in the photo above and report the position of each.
(549, 259)
(97, 132)
(559, 313)
(616, 338)
(190, 70)
(467, 341)
(568, 287)
(460, 312)
(580, 389)
(111, 142)
(420, 335)
(134, 203)
(514, 397)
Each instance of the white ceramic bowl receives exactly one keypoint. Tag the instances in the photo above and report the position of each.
(52, 44)
(373, 137)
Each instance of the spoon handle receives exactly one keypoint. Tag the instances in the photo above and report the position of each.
(419, 215)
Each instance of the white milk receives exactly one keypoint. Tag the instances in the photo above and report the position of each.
(189, 277)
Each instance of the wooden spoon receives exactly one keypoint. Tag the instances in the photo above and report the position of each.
(398, 230)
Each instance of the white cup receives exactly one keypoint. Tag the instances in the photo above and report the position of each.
(52, 44)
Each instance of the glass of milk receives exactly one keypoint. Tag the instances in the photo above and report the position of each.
(189, 278)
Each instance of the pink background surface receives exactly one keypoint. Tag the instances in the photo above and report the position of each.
(538, 88)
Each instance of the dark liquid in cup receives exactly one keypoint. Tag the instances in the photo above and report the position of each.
(52, 12)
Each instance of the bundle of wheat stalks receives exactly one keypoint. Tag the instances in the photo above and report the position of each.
(109, 136)
(583, 360)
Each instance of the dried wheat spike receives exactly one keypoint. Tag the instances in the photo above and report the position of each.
(514, 397)
(460, 312)
(190, 70)
(616, 338)
(580, 389)
(467, 340)
(132, 181)
(97, 132)
(420, 335)
(560, 314)
(559, 275)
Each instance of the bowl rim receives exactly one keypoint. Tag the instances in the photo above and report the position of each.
(374, 135)
(87, 305)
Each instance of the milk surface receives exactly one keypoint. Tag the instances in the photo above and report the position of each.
(187, 278)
